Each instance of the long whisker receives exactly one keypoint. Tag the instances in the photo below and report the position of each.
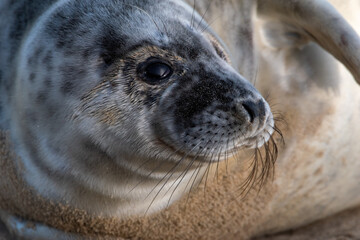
(249, 181)
(182, 176)
(172, 172)
(205, 147)
(146, 13)
(185, 172)
(192, 23)
(256, 76)
(153, 170)
(209, 24)
(202, 17)
(207, 173)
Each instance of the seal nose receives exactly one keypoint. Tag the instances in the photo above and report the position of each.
(253, 110)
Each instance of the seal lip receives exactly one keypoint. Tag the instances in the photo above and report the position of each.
(183, 156)
(220, 155)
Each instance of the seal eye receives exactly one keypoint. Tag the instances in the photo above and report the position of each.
(156, 72)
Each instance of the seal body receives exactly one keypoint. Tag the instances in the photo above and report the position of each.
(321, 142)
(117, 108)
(69, 160)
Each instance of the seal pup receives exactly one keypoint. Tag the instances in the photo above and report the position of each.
(312, 169)
(113, 107)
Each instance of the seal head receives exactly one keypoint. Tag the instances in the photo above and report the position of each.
(104, 87)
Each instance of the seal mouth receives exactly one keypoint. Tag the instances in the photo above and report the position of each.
(210, 146)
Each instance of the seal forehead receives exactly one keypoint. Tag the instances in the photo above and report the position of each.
(98, 23)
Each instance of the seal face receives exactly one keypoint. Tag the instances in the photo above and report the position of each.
(212, 110)
(110, 93)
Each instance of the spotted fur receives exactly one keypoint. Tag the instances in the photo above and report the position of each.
(74, 99)
(97, 143)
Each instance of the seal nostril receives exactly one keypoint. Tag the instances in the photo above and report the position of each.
(251, 108)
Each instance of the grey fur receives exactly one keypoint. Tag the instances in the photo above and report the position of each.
(83, 118)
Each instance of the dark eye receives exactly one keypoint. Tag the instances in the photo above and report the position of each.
(156, 72)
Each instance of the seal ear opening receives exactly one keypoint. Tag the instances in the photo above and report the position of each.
(319, 21)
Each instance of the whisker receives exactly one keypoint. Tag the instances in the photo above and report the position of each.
(164, 25)
(207, 174)
(198, 167)
(182, 175)
(256, 76)
(192, 24)
(147, 14)
(152, 171)
(213, 152)
(210, 23)
(202, 17)
(171, 170)
(249, 181)
(217, 166)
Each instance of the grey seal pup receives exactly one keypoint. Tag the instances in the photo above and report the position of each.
(316, 172)
(116, 107)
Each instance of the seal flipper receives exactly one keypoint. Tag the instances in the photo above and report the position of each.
(319, 21)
